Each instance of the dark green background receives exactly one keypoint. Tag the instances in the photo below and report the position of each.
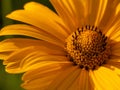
(10, 81)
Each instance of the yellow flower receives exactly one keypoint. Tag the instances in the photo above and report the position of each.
(76, 49)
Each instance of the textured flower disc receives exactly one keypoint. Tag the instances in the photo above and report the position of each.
(88, 47)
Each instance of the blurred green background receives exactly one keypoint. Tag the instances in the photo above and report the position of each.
(10, 81)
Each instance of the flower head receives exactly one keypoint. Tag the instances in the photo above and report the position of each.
(76, 49)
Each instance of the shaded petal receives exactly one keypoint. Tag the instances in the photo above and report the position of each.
(8, 46)
(21, 29)
(76, 13)
(74, 85)
(112, 28)
(32, 58)
(115, 48)
(109, 15)
(114, 60)
(114, 63)
(73, 12)
(84, 81)
(42, 77)
(19, 43)
(65, 79)
(100, 7)
(4, 55)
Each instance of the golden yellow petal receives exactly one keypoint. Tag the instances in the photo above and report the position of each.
(117, 8)
(114, 60)
(105, 77)
(66, 77)
(19, 43)
(21, 29)
(94, 81)
(4, 55)
(115, 50)
(109, 16)
(40, 78)
(69, 80)
(84, 83)
(101, 10)
(38, 83)
(114, 63)
(74, 11)
(95, 11)
(112, 26)
(80, 11)
(33, 57)
(39, 9)
(41, 71)
(42, 61)
(115, 68)
(75, 84)
(65, 8)
(41, 21)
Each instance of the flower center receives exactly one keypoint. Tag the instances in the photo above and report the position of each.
(88, 47)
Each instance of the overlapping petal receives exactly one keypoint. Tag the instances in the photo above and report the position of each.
(33, 57)
(22, 29)
(43, 58)
(109, 77)
(43, 77)
(47, 20)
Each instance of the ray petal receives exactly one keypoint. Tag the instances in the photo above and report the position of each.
(109, 76)
(67, 76)
(40, 78)
(84, 81)
(32, 58)
(40, 20)
(19, 43)
(34, 7)
(73, 12)
(22, 29)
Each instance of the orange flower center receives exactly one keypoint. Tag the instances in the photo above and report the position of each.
(88, 47)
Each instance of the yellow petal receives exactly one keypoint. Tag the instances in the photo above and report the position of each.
(39, 9)
(105, 77)
(65, 78)
(40, 78)
(65, 9)
(40, 21)
(21, 29)
(32, 58)
(69, 80)
(115, 68)
(75, 84)
(112, 27)
(95, 10)
(4, 55)
(101, 10)
(115, 49)
(94, 81)
(114, 60)
(84, 81)
(9, 45)
(19, 43)
(118, 9)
